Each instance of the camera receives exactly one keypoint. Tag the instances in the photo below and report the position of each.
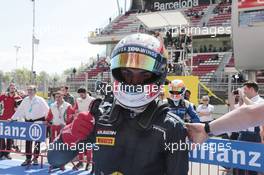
(235, 92)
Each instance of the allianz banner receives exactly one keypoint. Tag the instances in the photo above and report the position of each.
(164, 5)
(23, 131)
(233, 154)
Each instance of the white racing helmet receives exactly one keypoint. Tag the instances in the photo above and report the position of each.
(139, 52)
(177, 90)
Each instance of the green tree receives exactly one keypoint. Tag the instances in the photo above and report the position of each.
(21, 76)
(42, 78)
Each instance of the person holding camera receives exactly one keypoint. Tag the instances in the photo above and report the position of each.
(249, 94)
(235, 101)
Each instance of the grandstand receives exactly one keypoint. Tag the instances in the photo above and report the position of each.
(89, 76)
(196, 14)
(208, 57)
(127, 23)
(210, 63)
(221, 15)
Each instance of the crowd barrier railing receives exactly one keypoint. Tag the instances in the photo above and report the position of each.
(217, 155)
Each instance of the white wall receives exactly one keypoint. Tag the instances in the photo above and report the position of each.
(248, 43)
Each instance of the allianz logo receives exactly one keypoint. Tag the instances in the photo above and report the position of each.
(230, 156)
(34, 132)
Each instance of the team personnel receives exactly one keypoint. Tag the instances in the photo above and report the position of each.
(83, 102)
(10, 101)
(60, 114)
(205, 110)
(178, 105)
(82, 105)
(132, 139)
(187, 97)
(67, 96)
(32, 109)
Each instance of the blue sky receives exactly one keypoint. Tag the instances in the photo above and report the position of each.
(62, 27)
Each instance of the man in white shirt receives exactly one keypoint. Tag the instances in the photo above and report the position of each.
(60, 114)
(205, 110)
(83, 102)
(250, 96)
(32, 109)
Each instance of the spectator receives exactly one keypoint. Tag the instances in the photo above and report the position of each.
(89, 93)
(205, 49)
(67, 96)
(162, 98)
(169, 37)
(177, 56)
(50, 99)
(9, 101)
(214, 49)
(210, 49)
(21, 93)
(32, 109)
(60, 114)
(141, 28)
(236, 101)
(201, 49)
(205, 110)
(187, 97)
(250, 96)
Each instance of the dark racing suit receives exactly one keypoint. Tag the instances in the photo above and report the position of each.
(184, 110)
(146, 144)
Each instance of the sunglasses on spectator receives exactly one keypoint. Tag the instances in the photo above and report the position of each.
(175, 92)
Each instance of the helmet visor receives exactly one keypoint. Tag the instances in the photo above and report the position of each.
(133, 60)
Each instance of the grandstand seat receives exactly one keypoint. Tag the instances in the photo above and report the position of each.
(231, 63)
(198, 10)
(222, 17)
(124, 24)
(203, 65)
